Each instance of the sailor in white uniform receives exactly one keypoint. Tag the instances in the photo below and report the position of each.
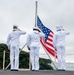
(59, 44)
(33, 43)
(13, 45)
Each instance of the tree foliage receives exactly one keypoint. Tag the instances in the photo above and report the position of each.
(3, 47)
(45, 64)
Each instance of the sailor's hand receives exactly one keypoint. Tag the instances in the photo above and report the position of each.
(9, 48)
(28, 47)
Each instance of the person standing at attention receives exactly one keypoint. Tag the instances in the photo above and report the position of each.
(33, 44)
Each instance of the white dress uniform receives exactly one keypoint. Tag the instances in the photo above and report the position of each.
(33, 41)
(13, 44)
(59, 44)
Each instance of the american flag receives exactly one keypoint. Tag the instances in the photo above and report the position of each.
(48, 42)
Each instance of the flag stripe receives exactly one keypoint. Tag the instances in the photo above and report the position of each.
(51, 35)
(50, 47)
(50, 39)
(49, 44)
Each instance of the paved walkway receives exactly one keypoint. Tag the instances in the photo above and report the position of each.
(41, 72)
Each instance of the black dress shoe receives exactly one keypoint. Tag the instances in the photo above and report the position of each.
(16, 70)
(33, 70)
(61, 70)
(12, 69)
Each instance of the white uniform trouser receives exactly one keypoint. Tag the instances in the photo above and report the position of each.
(14, 57)
(61, 57)
(34, 58)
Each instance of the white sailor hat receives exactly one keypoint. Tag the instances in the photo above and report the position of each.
(15, 25)
(58, 27)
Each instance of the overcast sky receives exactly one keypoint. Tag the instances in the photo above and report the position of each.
(51, 12)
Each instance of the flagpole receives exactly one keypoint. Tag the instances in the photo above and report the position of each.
(36, 6)
(36, 13)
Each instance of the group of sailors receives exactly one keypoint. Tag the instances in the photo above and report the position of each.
(33, 44)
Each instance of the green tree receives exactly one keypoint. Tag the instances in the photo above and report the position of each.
(45, 64)
(24, 60)
(2, 48)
